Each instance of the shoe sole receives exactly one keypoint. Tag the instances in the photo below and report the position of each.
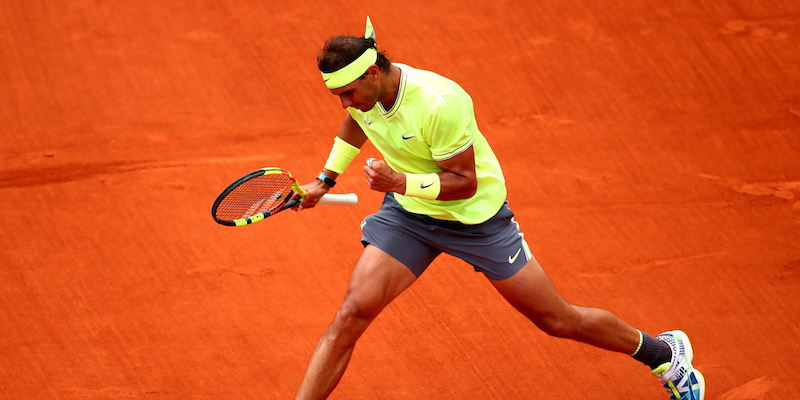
(687, 346)
(701, 380)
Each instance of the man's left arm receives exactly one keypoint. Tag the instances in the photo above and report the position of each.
(446, 128)
(456, 181)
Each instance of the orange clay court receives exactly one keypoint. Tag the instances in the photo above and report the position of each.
(651, 151)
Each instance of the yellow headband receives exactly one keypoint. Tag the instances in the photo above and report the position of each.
(355, 69)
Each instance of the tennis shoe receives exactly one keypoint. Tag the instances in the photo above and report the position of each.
(679, 378)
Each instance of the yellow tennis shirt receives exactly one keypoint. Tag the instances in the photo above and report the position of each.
(432, 120)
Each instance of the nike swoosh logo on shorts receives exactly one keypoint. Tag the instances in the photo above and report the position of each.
(512, 259)
(408, 137)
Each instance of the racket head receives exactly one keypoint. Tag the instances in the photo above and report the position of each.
(255, 196)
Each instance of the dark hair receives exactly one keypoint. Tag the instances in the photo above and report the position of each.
(342, 50)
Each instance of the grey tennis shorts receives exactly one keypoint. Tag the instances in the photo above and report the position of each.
(495, 247)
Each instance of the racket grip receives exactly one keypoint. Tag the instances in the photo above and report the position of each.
(349, 199)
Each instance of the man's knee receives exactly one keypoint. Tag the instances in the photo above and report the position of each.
(557, 328)
(563, 325)
(350, 321)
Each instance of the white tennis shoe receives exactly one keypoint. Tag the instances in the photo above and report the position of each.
(679, 378)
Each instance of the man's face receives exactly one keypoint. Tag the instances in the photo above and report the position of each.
(361, 94)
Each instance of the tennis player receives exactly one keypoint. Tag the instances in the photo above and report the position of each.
(445, 193)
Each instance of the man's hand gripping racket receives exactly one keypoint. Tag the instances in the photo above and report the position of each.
(263, 193)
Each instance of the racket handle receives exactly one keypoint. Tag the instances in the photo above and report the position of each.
(349, 199)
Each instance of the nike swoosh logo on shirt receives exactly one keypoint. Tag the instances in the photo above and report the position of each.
(408, 137)
(512, 259)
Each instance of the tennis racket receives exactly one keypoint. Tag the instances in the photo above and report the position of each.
(263, 193)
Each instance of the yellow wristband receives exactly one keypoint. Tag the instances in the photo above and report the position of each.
(424, 186)
(341, 155)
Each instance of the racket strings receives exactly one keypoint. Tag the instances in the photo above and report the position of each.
(261, 194)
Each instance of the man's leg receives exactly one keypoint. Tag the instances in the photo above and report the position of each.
(376, 280)
(531, 293)
(669, 356)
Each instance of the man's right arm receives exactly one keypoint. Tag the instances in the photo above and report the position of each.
(349, 132)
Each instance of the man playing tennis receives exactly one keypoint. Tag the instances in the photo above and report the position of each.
(445, 192)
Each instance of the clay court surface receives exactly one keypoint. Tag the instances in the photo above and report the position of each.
(651, 151)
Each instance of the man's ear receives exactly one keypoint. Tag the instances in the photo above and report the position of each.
(373, 71)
